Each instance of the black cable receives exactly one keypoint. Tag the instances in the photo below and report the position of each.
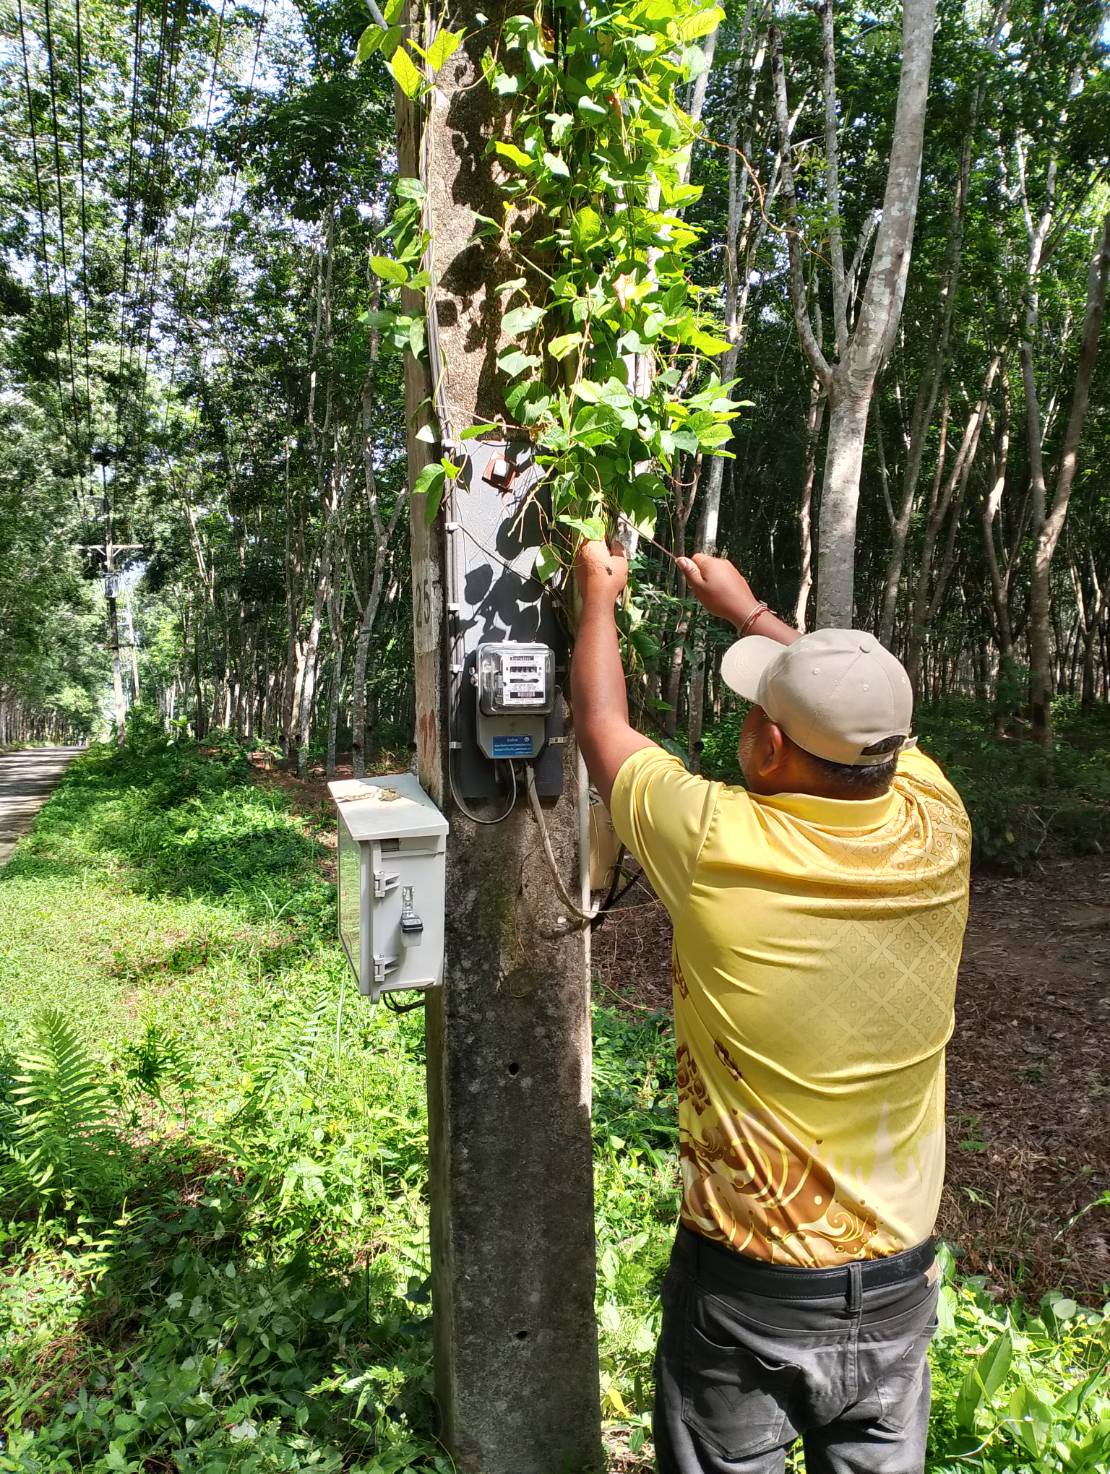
(239, 138)
(614, 896)
(154, 177)
(173, 74)
(224, 249)
(61, 216)
(196, 197)
(142, 198)
(387, 999)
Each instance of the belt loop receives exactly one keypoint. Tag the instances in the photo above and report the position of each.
(855, 1287)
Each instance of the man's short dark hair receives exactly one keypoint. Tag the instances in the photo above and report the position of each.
(852, 780)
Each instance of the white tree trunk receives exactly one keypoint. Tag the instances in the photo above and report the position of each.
(836, 560)
(1052, 525)
(853, 379)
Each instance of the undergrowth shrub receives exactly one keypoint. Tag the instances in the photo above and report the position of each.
(1034, 1397)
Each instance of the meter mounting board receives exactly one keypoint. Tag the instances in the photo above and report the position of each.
(494, 531)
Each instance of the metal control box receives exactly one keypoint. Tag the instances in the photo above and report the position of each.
(392, 869)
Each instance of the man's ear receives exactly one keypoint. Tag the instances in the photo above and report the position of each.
(774, 750)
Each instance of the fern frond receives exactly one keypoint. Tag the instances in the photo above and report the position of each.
(58, 1087)
(286, 1058)
(56, 1141)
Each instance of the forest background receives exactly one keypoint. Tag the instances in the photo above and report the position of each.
(203, 355)
(204, 512)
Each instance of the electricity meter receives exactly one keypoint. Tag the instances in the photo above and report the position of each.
(392, 862)
(516, 690)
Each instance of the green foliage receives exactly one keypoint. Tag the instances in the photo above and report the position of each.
(1023, 805)
(602, 361)
(56, 1147)
(190, 1201)
(1036, 1396)
(51, 619)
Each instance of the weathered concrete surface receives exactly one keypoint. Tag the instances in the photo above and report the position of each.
(513, 1259)
(26, 781)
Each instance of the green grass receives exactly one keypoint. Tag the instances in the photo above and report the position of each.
(213, 1225)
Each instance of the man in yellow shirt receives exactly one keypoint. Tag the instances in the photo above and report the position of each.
(818, 919)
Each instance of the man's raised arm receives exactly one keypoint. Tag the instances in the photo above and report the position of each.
(597, 691)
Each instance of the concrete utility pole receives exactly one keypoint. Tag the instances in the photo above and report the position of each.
(119, 700)
(113, 630)
(509, 1034)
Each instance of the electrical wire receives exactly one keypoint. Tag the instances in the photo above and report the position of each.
(237, 160)
(387, 999)
(525, 578)
(151, 165)
(216, 52)
(582, 918)
(84, 228)
(128, 214)
(61, 218)
(225, 246)
(161, 169)
(474, 818)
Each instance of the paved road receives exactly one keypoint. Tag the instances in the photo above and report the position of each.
(26, 779)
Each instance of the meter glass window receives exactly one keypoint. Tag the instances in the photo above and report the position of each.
(515, 678)
(350, 895)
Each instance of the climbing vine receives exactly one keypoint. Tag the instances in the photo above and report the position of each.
(605, 365)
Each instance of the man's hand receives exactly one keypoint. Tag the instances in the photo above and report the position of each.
(718, 586)
(601, 572)
(721, 588)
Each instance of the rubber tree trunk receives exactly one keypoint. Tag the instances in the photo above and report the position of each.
(815, 415)
(836, 559)
(850, 379)
(1048, 534)
(508, 1037)
(954, 487)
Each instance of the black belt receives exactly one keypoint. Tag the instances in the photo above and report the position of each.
(709, 1262)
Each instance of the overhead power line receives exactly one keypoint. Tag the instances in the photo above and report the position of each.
(203, 152)
(161, 183)
(236, 165)
(84, 219)
(142, 272)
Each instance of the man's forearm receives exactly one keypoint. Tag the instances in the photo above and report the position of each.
(597, 689)
(766, 622)
(720, 587)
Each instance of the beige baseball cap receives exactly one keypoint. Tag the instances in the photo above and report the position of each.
(836, 693)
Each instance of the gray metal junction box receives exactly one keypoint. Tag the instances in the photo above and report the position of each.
(392, 871)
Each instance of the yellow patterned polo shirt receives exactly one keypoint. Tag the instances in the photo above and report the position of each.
(816, 943)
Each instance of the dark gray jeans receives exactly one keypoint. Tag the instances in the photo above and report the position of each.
(752, 1357)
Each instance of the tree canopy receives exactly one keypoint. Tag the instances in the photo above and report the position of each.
(203, 246)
